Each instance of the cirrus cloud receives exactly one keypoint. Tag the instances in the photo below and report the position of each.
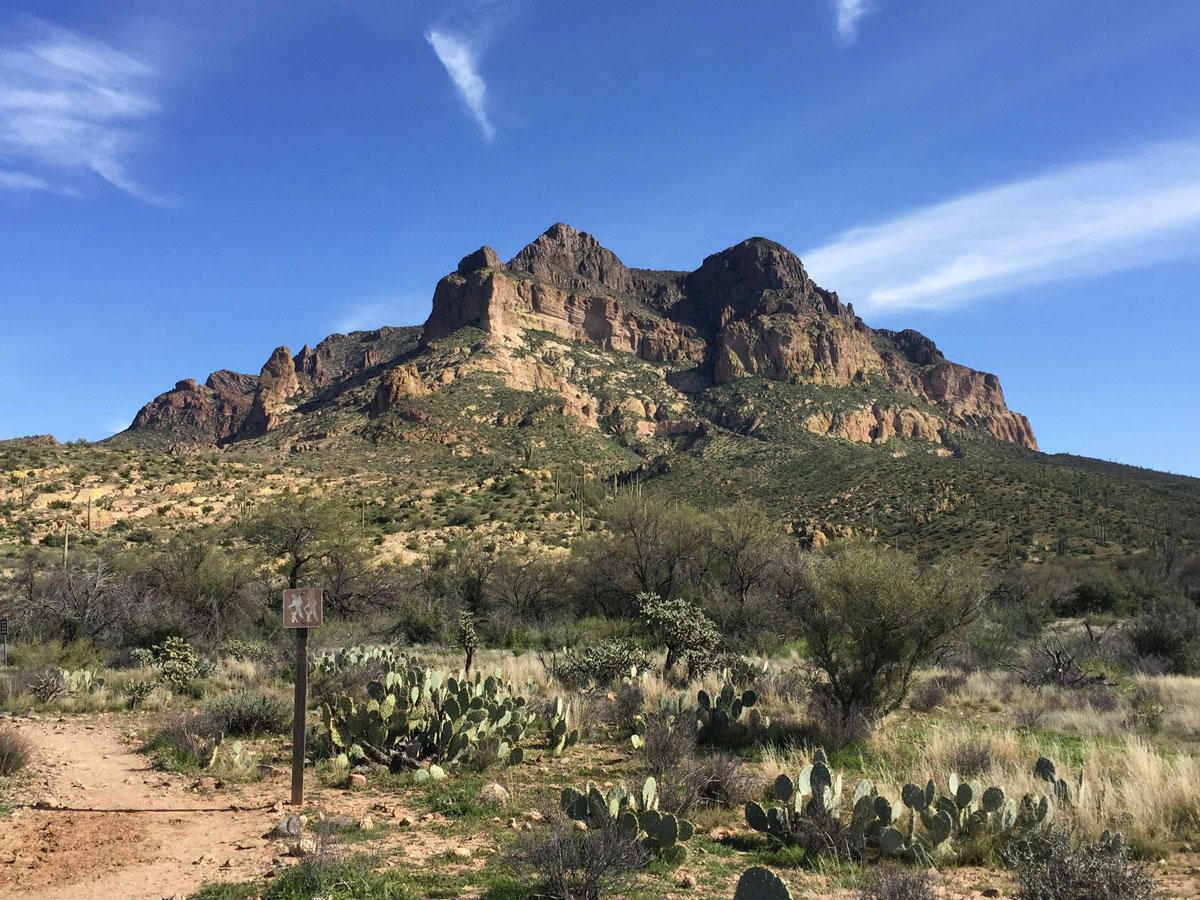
(71, 105)
(458, 55)
(1082, 220)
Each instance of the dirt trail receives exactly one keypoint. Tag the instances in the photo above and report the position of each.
(162, 843)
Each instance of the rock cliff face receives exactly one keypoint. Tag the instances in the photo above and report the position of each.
(233, 406)
(748, 310)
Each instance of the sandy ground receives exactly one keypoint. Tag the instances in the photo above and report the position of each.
(157, 838)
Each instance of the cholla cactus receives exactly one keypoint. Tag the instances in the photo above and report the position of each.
(468, 640)
(689, 635)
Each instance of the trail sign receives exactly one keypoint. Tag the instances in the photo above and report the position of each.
(302, 610)
(303, 607)
(3, 626)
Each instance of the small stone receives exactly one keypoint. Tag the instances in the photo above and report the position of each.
(534, 815)
(990, 892)
(462, 852)
(581, 826)
(207, 783)
(228, 864)
(525, 826)
(290, 827)
(686, 881)
(277, 806)
(206, 858)
(303, 847)
(356, 780)
(366, 823)
(493, 794)
(47, 801)
(514, 824)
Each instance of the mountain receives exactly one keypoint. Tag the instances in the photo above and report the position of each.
(749, 311)
(557, 378)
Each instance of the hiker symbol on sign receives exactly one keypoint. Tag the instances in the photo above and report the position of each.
(302, 607)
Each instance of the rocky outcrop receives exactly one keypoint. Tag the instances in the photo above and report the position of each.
(201, 414)
(573, 260)
(277, 383)
(501, 301)
(877, 423)
(750, 310)
(397, 385)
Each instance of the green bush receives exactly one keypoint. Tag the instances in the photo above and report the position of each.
(249, 714)
(871, 616)
(1168, 632)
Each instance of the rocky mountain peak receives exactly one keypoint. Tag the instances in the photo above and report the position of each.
(483, 258)
(571, 259)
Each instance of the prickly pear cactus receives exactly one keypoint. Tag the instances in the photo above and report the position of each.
(758, 883)
(637, 815)
(559, 735)
(425, 715)
(728, 715)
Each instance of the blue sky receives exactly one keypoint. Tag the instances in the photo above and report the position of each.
(185, 186)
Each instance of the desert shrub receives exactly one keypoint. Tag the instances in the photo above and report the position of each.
(45, 684)
(186, 740)
(871, 616)
(893, 883)
(970, 758)
(1167, 632)
(15, 750)
(831, 725)
(137, 691)
(688, 634)
(629, 703)
(255, 651)
(933, 692)
(601, 663)
(462, 515)
(327, 685)
(666, 741)
(249, 714)
(724, 780)
(1056, 867)
(573, 865)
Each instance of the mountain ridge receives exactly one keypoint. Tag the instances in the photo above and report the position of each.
(750, 310)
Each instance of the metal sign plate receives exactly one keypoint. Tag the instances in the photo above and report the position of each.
(303, 607)
(3, 626)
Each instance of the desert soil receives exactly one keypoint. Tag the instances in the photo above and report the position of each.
(156, 838)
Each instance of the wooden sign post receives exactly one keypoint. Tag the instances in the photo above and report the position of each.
(303, 608)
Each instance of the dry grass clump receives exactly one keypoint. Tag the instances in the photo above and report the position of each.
(15, 750)
(1126, 785)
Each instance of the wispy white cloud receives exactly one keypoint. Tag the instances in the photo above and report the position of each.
(459, 57)
(849, 13)
(22, 181)
(1083, 220)
(70, 105)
